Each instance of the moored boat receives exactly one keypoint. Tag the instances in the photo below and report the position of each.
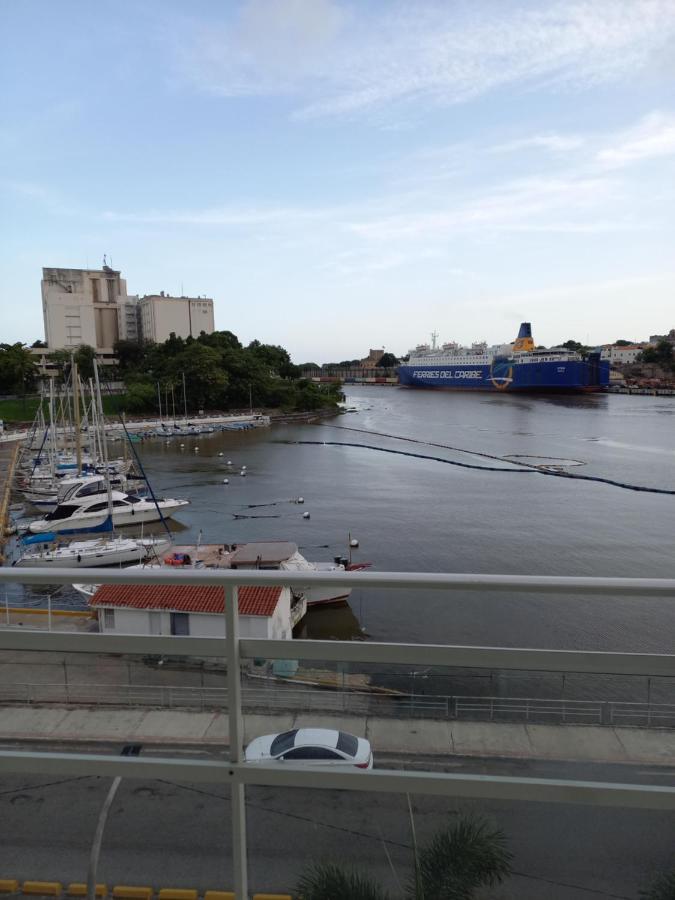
(519, 366)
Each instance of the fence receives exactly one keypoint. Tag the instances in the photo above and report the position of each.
(236, 774)
(270, 699)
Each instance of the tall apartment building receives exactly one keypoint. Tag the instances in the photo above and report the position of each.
(160, 315)
(81, 306)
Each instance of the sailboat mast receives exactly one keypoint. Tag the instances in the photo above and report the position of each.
(159, 397)
(184, 398)
(104, 446)
(76, 414)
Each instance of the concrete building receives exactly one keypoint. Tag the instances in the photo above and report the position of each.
(81, 306)
(129, 319)
(160, 315)
(622, 355)
(657, 338)
(264, 612)
(371, 361)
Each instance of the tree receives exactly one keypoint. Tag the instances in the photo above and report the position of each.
(37, 344)
(130, 355)
(461, 859)
(18, 370)
(576, 347)
(622, 343)
(275, 357)
(458, 861)
(661, 889)
(84, 356)
(387, 361)
(328, 881)
(661, 355)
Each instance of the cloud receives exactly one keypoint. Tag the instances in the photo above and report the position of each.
(555, 143)
(218, 216)
(340, 60)
(653, 137)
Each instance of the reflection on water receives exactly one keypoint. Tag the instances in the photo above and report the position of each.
(330, 622)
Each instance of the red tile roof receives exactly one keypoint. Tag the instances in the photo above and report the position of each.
(253, 601)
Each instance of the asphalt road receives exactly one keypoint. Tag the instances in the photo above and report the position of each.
(169, 834)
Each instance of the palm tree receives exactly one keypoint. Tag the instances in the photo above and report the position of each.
(661, 889)
(328, 881)
(460, 859)
(467, 855)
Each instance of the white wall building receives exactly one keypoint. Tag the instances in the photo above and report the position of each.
(264, 612)
(80, 306)
(128, 319)
(622, 355)
(160, 315)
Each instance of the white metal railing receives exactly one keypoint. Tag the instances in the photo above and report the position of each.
(233, 649)
(275, 697)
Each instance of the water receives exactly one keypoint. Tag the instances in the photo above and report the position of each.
(411, 514)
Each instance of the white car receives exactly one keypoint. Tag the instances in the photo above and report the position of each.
(313, 747)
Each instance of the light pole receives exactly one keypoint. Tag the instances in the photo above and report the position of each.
(129, 750)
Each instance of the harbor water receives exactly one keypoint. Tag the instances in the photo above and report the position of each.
(477, 503)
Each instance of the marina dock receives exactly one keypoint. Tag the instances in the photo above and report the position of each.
(9, 454)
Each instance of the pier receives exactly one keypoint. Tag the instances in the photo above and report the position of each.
(9, 454)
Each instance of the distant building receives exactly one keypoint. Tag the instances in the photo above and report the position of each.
(373, 358)
(622, 355)
(264, 612)
(80, 306)
(129, 319)
(657, 338)
(160, 315)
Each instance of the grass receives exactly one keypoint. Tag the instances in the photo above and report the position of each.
(22, 411)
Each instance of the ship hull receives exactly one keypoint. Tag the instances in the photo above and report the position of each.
(569, 376)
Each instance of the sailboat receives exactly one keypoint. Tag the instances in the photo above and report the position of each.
(84, 510)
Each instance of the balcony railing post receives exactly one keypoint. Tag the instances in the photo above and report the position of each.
(236, 740)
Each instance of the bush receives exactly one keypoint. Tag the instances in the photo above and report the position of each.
(328, 881)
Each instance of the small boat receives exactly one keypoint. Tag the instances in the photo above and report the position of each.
(89, 554)
(280, 555)
(71, 490)
(96, 514)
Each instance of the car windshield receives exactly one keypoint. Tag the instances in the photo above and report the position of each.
(283, 742)
(347, 743)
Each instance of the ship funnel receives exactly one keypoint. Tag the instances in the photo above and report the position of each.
(524, 340)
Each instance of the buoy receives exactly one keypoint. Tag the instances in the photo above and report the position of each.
(220, 454)
(244, 467)
(353, 543)
(181, 446)
(305, 515)
(242, 473)
(229, 462)
(196, 449)
(226, 480)
(300, 500)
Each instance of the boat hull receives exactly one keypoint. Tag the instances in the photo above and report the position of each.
(568, 376)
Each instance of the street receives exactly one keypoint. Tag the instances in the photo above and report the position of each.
(170, 834)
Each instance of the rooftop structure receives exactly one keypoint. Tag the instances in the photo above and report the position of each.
(80, 306)
(162, 315)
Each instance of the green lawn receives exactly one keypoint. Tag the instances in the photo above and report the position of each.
(17, 411)
(20, 412)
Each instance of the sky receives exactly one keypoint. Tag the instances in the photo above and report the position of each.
(341, 176)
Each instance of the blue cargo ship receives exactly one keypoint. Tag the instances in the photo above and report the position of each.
(512, 367)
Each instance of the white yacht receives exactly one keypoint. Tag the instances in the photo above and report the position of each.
(93, 513)
(281, 555)
(94, 553)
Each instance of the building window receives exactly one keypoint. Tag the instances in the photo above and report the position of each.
(111, 290)
(109, 619)
(180, 623)
(94, 289)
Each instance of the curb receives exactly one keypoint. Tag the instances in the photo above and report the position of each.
(13, 887)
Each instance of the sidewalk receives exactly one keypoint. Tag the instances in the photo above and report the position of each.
(573, 743)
